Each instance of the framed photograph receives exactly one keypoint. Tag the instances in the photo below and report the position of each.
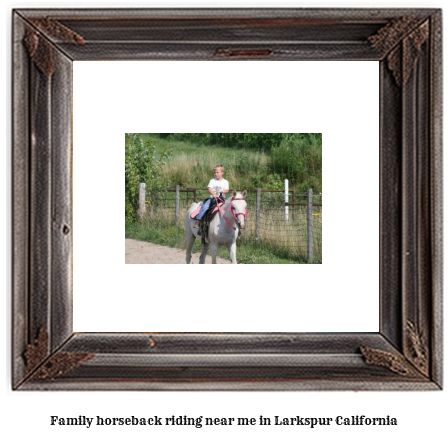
(50, 353)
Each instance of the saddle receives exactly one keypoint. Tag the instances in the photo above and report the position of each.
(206, 219)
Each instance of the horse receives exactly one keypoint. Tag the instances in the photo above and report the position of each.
(223, 229)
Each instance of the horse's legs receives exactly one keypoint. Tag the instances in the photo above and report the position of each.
(190, 238)
(203, 253)
(214, 250)
(232, 252)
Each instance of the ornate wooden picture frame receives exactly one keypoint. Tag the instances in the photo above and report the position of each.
(406, 353)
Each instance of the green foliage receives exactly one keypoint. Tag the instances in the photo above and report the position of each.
(141, 166)
(299, 159)
(275, 182)
(256, 180)
(295, 156)
(259, 142)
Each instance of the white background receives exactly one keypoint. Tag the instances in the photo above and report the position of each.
(340, 295)
(418, 414)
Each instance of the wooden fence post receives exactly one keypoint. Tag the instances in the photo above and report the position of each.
(177, 205)
(258, 216)
(142, 201)
(310, 225)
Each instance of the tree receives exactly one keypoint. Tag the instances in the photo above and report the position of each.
(141, 166)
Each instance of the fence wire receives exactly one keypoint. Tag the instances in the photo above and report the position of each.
(271, 226)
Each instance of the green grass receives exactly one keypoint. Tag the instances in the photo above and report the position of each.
(193, 149)
(251, 253)
(191, 165)
(165, 233)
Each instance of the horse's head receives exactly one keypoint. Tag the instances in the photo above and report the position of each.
(238, 207)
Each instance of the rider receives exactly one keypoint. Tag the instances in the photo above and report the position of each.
(218, 186)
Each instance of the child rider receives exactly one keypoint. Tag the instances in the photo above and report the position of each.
(216, 187)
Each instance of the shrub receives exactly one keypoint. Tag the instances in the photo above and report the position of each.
(141, 166)
(259, 142)
(299, 159)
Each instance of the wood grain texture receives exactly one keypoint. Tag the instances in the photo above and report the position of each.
(406, 354)
(391, 236)
(61, 199)
(40, 200)
(436, 195)
(20, 201)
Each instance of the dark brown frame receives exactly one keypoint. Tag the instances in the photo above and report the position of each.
(406, 354)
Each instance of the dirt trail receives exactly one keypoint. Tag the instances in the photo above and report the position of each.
(138, 252)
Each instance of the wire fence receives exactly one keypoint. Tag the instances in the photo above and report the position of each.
(293, 228)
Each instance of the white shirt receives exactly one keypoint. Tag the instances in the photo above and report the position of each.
(216, 185)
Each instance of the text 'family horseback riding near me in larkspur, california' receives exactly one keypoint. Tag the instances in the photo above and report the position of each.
(201, 421)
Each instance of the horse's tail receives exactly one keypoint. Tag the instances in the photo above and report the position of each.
(184, 245)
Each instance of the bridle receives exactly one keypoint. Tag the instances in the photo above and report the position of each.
(232, 209)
